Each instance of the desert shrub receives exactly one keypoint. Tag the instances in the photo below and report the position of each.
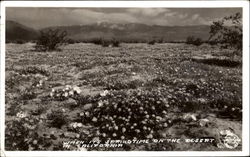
(160, 40)
(71, 41)
(106, 42)
(194, 41)
(97, 41)
(115, 43)
(228, 36)
(19, 41)
(57, 118)
(51, 40)
(151, 42)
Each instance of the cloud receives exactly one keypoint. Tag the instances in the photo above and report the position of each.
(147, 11)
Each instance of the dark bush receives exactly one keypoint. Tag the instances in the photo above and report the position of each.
(51, 40)
(151, 42)
(115, 43)
(71, 41)
(106, 42)
(19, 41)
(194, 41)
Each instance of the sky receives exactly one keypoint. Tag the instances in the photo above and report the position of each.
(38, 18)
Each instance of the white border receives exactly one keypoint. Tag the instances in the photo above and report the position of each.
(134, 4)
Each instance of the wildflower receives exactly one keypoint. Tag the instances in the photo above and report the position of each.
(189, 116)
(71, 93)
(77, 89)
(66, 94)
(123, 130)
(67, 87)
(94, 119)
(81, 114)
(150, 136)
(100, 104)
(137, 131)
(165, 125)
(74, 125)
(35, 142)
(79, 125)
(104, 93)
(51, 94)
(87, 114)
(21, 115)
(203, 122)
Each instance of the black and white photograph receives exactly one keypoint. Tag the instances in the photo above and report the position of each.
(123, 78)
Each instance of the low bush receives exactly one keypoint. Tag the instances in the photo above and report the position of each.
(151, 42)
(194, 41)
(106, 42)
(50, 40)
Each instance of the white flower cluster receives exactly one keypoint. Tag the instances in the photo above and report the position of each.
(68, 91)
(21, 115)
(229, 139)
(104, 93)
(76, 125)
(40, 83)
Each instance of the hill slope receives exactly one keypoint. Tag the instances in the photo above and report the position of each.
(16, 31)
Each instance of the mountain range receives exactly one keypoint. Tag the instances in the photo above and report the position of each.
(124, 32)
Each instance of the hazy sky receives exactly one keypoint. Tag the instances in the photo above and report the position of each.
(43, 17)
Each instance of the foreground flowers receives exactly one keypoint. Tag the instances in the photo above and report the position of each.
(21, 115)
(64, 93)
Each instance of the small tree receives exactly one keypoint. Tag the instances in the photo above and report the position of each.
(228, 32)
(51, 40)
